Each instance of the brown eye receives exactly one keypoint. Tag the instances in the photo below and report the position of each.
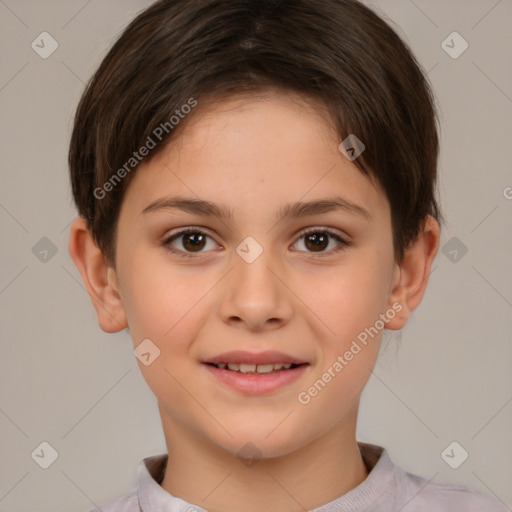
(188, 242)
(318, 241)
(193, 241)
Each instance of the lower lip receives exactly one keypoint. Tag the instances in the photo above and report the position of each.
(257, 384)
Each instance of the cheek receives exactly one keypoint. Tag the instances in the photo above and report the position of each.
(162, 305)
(349, 304)
(347, 298)
(166, 304)
(157, 296)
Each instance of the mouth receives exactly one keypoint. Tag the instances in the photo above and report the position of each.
(255, 373)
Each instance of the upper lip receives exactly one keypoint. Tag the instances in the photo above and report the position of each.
(241, 356)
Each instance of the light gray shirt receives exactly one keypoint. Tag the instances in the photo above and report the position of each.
(387, 488)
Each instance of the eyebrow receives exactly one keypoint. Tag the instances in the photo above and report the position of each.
(293, 210)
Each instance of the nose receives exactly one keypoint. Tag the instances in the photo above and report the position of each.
(255, 295)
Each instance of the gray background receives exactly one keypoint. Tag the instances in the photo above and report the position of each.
(445, 378)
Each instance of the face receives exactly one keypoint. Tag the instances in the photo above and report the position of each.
(287, 258)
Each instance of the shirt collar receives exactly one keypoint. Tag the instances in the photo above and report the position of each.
(152, 497)
(380, 481)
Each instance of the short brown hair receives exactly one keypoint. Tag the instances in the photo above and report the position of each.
(337, 51)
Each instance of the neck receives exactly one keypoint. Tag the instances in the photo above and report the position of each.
(206, 475)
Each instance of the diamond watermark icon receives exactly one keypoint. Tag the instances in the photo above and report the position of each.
(146, 352)
(454, 250)
(44, 45)
(351, 147)
(249, 454)
(45, 455)
(249, 250)
(44, 250)
(454, 455)
(454, 45)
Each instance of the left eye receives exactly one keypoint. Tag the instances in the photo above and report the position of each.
(318, 240)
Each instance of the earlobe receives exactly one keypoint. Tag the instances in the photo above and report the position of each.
(99, 278)
(411, 275)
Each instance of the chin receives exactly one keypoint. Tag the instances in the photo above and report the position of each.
(256, 443)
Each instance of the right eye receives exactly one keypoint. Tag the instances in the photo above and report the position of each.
(191, 240)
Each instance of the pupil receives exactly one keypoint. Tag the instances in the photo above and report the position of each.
(195, 240)
(318, 240)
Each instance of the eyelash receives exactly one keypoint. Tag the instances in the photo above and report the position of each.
(342, 243)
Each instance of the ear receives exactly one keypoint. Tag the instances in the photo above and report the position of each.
(99, 278)
(411, 275)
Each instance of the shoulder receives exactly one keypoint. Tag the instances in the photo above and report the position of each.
(422, 495)
(126, 502)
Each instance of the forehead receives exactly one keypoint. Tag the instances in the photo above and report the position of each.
(254, 152)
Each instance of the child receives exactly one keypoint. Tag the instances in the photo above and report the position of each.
(256, 189)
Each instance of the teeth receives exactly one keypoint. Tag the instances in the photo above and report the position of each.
(253, 368)
(245, 368)
(265, 368)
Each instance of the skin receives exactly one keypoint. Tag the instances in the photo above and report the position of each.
(253, 156)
